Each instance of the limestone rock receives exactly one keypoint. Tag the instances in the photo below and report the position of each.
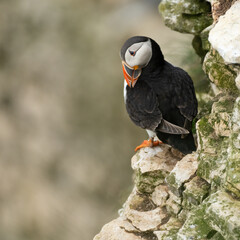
(217, 216)
(212, 166)
(169, 230)
(182, 172)
(154, 159)
(125, 224)
(183, 214)
(223, 215)
(217, 236)
(204, 38)
(237, 81)
(160, 195)
(186, 15)
(115, 231)
(152, 165)
(195, 191)
(198, 46)
(218, 134)
(142, 213)
(173, 204)
(201, 44)
(232, 183)
(221, 116)
(236, 123)
(225, 36)
(219, 7)
(146, 221)
(219, 73)
(195, 227)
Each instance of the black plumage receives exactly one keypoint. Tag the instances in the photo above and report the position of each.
(163, 95)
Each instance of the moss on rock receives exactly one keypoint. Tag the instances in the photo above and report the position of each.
(204, 38)
(214, 131)
(196, 191)
(233, 165)
(169, 230)
(197, 46)
(223, 215)
(186, 16)
(181, 173)
(195, 227)
(151, 166)
(219, 73)
(146, 182)
(212, 165)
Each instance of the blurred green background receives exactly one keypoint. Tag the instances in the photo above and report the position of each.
(65, 138)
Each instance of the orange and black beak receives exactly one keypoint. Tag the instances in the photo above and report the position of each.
(131, 74)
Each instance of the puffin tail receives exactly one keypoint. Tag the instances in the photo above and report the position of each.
(184, 144)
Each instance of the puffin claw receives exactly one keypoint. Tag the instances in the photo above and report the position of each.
(148, 143)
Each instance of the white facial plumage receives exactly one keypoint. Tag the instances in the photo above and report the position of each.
(142, 54)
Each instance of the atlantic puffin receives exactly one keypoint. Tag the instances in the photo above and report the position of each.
(159, 97)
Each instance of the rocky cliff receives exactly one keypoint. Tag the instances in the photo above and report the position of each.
(196, 196)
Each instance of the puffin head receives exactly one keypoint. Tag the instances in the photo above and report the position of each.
(135, 53)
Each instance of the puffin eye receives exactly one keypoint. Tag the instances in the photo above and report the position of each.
(132, 53)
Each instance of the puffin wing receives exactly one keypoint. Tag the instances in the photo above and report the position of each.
(143, 107)
(167, 127)
(184, 97)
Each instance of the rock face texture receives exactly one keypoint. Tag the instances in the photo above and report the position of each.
(196, 196)
(187, 16)
(171, 201)
(225, 36)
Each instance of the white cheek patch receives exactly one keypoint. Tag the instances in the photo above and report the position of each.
(135, 46)
(143, 54)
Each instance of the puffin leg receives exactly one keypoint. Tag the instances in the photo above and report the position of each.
(148, 143)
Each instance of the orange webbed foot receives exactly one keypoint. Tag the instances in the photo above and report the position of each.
(148, 143)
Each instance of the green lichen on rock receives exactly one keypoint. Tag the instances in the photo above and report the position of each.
(212, 165)
(181, 173)
(173, 204)
(232, 183)
(219, 73)
(195, 192)
(186, 16)
(142, 203)
(233, 165)
(200, 42)
(204, 126)
(160, 162)
(213, 134)
(225, 103)
(217, 236)
(146, 182)
(197, 46)
(204, 38)
(222, 213)
(205, 101)
(217, 216)
(219, 160)
(195, 227)
(169, 230)
(212, 169)
(167, 235)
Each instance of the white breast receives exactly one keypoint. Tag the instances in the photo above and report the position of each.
(125, 91)
(151, 134)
